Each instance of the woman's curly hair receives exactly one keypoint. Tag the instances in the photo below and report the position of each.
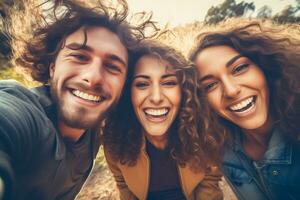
(39, 31)
(123, 136)
(276, 50)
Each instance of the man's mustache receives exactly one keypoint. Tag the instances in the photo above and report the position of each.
(95, 90)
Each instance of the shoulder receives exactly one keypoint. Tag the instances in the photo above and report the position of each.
(20, 109)
(24, 125)
(17, 95)
(11, 85)
(11, 89)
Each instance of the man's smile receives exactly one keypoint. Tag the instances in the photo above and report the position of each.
(86, 96)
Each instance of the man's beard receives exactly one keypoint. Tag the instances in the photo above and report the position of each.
(75, 118)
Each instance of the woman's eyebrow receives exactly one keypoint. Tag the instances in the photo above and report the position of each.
(141, 76)
(168, 75)
(232, 60)
(207, 77)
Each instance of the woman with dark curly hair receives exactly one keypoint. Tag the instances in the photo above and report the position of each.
(250, 77)
(152, 144)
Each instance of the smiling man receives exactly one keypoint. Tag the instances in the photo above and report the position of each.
(86, 81)
(49, 135)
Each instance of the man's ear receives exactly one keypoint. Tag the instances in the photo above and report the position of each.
(51, 70)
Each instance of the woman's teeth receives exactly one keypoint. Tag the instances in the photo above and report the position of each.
(86, 96)
(243, 105)
(156, 112)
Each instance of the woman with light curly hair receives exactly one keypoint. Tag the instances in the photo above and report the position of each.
(250, 77)
(154, 146)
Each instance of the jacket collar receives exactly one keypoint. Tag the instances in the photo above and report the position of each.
(279, 150)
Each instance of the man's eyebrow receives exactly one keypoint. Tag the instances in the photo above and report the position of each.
(116, 58)
(77, 46)
(232, 60)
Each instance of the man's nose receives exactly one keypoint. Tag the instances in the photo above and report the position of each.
(94, 73)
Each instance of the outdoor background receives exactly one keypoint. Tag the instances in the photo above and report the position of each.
(184, 20)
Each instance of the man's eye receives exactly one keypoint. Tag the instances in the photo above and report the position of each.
(240, 68)
(210, 86)
(80, 57)
(113, 68)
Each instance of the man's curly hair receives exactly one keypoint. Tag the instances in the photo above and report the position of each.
(187, 142)
(276, 50)
(50, 23)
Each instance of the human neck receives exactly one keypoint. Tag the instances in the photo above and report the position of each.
(262, 134)
(68, 132)
(160, 142)
(255, 142)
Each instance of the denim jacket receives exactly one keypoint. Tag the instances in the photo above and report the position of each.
(276, 176)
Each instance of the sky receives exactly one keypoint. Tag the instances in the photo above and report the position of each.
(178, 12)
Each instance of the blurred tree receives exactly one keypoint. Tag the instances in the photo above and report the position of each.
(264, 12)
(5, 49)
(4, 6)
(227, 9)
(4, 39)
(290, 14)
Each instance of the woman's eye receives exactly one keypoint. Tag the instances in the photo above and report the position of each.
(210, 86)
(141, 85)
(240, 68)
(170, 83)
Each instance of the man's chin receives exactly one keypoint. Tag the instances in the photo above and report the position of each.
(81, 123)
(80, 119)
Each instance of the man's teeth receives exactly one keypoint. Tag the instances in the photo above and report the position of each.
(86, 96)
(156, 112)
(242, 104)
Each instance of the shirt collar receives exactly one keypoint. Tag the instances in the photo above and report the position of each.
(43, 93)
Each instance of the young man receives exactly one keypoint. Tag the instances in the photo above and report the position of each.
(49, 135)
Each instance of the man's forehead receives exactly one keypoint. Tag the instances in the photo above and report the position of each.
(98, 39)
